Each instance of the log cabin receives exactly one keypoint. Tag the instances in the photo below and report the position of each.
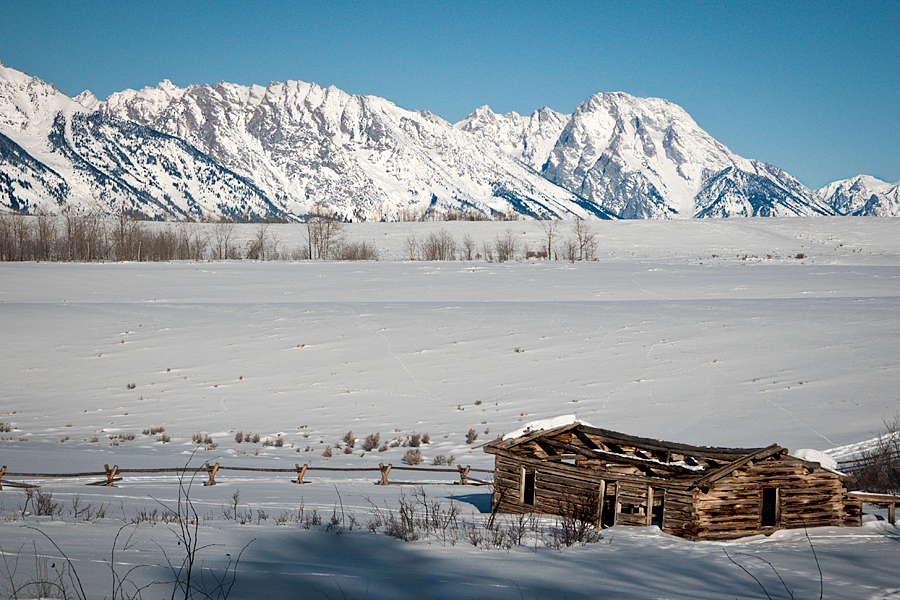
(695, 492)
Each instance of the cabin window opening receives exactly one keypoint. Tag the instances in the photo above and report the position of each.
(631, 509)
(528, 488)
(769, 509)
(656, 517)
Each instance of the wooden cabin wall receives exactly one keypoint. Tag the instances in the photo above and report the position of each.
(853, 511)
(557, 487)
(733, 505)
(679, 513)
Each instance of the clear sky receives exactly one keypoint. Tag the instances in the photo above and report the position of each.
(811, 86)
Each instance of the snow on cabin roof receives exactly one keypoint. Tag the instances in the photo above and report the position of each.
(550, 423)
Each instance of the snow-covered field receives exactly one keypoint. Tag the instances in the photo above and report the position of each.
(704, 332)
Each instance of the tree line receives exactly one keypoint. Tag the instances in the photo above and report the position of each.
(86, 237)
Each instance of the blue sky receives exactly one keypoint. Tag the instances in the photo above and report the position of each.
(813, 87)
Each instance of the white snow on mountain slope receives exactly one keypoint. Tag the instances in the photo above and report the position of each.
(56, 153)
(289, 148)
(863, 195)
(645, 158)
(529, 139)
(362, 156)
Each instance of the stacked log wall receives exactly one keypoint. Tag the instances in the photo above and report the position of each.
(556, 486)
(679, 512)
(732, 507)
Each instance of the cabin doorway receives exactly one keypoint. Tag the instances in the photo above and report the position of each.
(658, 499)
(527, 490)
(769, 510)
(608, 499)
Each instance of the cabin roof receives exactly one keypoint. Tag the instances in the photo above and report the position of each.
(598, 448)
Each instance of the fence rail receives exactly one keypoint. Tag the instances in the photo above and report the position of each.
(852, 465)
(113, 475)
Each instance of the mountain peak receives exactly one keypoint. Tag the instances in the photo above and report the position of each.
(87, 99)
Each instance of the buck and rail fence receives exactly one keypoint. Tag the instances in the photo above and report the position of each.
(114, 474)
(857, 463)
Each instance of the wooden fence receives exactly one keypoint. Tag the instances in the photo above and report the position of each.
(853, 465)
(115, 474)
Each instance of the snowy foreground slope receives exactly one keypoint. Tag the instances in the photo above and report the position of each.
(710, 333)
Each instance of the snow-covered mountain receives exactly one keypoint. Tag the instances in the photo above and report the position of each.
(644, 158)
(57, 153)
(361, 156)
(863, 195)
(287, 149)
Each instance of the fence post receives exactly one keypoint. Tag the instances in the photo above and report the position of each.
(110, 476)
(2, 471)
(300, 472)
(212, 473)
(384, 473)
(463, 475)
(892, 511)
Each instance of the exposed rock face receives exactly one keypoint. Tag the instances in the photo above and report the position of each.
(56, 153)
(645, 158)
(359, 155)
(863, 195)
(287, 149)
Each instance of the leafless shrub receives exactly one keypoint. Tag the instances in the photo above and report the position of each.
(262, 246)
(507, 246)
(578, 523)
(442, 460)
(131, 386)
(439, 246)
(383, 447)
(154, 431)
(412, 247)
(426, 438)
(488, 249)
(239, 437)
(471, 436)
(879, 469)
(5, 427)
(279, 442)
(327, 452)
(87, 512)
(349, 439)
(41, 503)
(415, 440)
(165, 438)
(371, 442)
(467, 250)
(356, 251)
(413, 457)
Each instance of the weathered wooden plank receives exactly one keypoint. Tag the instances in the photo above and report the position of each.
(653, 444)
(617, 458)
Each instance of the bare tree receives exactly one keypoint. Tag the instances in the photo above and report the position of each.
(412, 247)
(549, 228)
(585, 239)
(488, 249)
(45, 243)
(439, 246)
(506, 246)
(323, 233)
(222, 238)
(468, 247)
